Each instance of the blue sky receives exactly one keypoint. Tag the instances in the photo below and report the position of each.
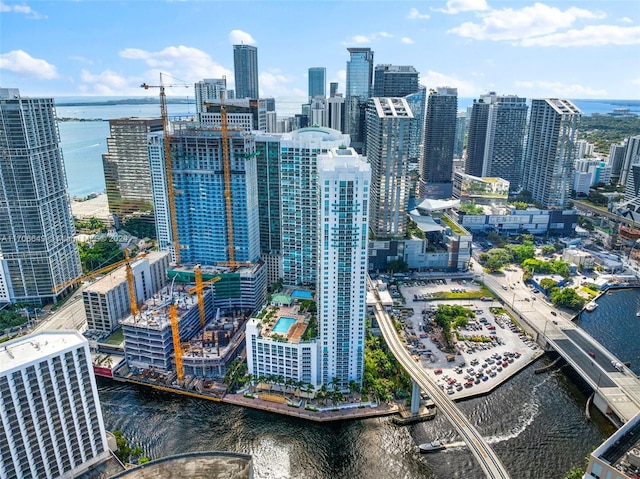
(571, 49)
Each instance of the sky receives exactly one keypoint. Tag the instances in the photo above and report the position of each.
(560, 48)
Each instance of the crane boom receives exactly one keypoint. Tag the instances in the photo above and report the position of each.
(171, 193)
(133, 301)
(226, 166)
(177, 347)
(199, 289)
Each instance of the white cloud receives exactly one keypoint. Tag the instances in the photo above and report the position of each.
(365, 39)
(531, 21)
(107, 83)
(342, 78)
(187, 63)
(457, 6)
(78, 58)
(636, 81)
(24, 9)
(562, 90)
(626, 20)
(20, 62)
(385, 35)
(592, 35)
(414, 14)
(407, 40)
(238, 37)
(274, 83)
(436, 79)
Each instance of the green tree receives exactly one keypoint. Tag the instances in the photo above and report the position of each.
(567, 298)
(523, 251)
(100, 254)
(519, 205)
(497, 258)
(548, 250)
(397, 266)
(140, 227)
(548, 284)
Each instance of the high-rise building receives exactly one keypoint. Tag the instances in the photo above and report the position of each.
(477, 134)
(126, 165)
(268, 170)
(461, 131)
(298, 193)
(341, 289)
(436, 168)
(417, 103)
(550, 151)
(37, 251)
(616, 160)
(52, 424)
(200, 204)
(631, 157)
(245, 67)
(333, 88)
(359, 79)
(210, 89)
(317, 82)
(335, 109)
(318, 111)
(394, 80)
(504, 146)
(389, 129)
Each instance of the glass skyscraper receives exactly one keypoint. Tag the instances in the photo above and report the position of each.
(359, 79)
(245, 67)
(317, 82)
(395, 80)
(37, 251)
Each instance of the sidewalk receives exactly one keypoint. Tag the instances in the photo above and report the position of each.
(318, 416)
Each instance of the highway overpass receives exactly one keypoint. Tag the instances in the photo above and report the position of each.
(616, 392)
(484, 454)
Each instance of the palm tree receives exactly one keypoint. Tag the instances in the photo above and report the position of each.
(299, 385)
(280, 382)
(249, 378)
(353, 387)
(323, 392)
(308, 389)
(271, 379)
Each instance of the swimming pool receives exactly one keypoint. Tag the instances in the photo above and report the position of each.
(283, 324)
(301, 294)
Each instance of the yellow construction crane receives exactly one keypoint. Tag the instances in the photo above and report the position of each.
(129, 274)
(177, 347)
(171, 193)
(199, 289)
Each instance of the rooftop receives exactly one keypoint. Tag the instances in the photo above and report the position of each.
(154, 313)
(26, 349)
(270, 316)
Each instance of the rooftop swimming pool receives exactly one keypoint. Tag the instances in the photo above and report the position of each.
(283, 324)
(296, 293)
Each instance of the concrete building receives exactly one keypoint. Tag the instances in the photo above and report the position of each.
(201, 212)
(248, 114)
(461, 131)
(630, 172)
(106, 301)
(394, 80)
(619, 456)
(336, 112)
(49, 407)
(148, 343)
(343, 181)
(210, 89)
(551, 151)
(477, 135)
(277, 346)
(317, 82)
(37, 252)
(245, 68)
(389, 129)
(616, 160)
(359, 81)
(126, 165)
(504, 145)
(436, 167)
(417, 103)
(298, 193)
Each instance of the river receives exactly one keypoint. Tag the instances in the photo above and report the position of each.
(536, 424)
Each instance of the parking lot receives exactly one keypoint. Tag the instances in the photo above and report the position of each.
(489, 349)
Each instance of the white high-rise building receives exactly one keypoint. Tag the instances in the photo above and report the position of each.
(50, 413)
(551, 151)
(37, 251)
(298, 190)
(210, 89)
(344, 179)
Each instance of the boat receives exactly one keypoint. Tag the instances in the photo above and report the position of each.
(433, 446)
(591, 306)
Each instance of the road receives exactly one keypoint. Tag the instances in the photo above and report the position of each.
(486, 457)
(69, 316)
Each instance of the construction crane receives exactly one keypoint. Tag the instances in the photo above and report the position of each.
(129, 274)
(171, 193)
(199, 289)
(177, 347)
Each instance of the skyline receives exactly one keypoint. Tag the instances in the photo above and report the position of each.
(532, 49)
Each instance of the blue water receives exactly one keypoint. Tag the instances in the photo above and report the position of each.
(84, 143)
(283, 325)
(301, 294)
